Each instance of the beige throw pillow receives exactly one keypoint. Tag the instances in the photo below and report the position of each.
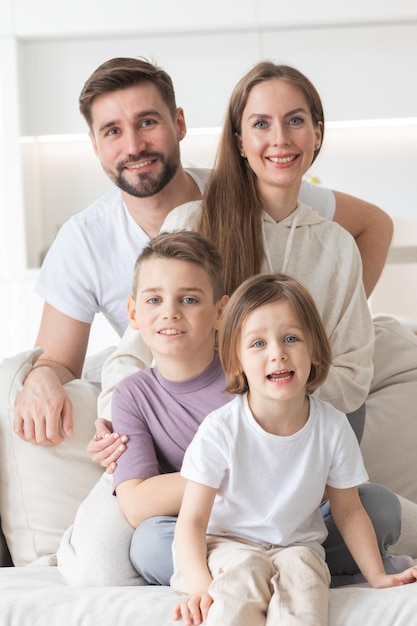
(42, 486)
(389, 443)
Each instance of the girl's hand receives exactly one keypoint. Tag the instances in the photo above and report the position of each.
(394, 580)
(193, 609)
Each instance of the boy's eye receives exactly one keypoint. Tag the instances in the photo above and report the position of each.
(153, 300)
(189, 300)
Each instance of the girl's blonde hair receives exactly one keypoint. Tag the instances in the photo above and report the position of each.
(255, 292)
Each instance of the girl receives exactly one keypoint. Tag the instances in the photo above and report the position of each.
(257, 469)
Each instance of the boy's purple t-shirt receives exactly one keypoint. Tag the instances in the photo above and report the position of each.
(161, 417)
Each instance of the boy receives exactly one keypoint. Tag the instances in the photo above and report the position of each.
(176, 303)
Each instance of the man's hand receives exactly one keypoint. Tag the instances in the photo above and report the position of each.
(43, 411)
(106, 446)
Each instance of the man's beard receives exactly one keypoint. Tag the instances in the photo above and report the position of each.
(147, 185)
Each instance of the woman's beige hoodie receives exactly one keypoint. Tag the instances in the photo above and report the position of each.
(324, 257)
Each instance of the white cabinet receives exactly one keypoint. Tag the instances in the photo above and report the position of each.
(362, 71)
(103, 18)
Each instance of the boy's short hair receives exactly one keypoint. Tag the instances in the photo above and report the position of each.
(255, 292)
(184, 245)
(121, 73)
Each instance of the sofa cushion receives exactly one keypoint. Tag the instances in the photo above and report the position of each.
(390, 435)
(42, 486)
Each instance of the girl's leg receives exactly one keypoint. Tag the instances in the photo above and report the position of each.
(300, 588)
(241, 587)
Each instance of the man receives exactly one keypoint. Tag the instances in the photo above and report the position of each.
(135, 128)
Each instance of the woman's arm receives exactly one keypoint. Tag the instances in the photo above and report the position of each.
(372, 229)
(130, 356)
(347, 320)
(141, 498)
(191, 552)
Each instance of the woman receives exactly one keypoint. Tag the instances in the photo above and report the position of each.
(272, 133)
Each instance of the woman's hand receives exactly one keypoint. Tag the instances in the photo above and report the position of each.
(106, 447)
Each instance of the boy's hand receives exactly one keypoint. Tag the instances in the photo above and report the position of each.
(193, 609)
(394, 580)
(106, 446)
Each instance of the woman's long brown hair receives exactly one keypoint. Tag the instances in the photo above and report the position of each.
(232, 209)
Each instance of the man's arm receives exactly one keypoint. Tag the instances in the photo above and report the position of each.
(43, 411)
(372, 229)
(141, 498)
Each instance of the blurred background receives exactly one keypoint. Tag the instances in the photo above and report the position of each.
(360, 55)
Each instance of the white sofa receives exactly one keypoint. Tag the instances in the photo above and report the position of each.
(41, 490)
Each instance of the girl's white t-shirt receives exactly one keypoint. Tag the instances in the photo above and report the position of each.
(270, 487)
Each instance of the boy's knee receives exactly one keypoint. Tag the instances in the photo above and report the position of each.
(151, 549)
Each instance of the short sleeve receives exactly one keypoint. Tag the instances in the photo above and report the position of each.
(67, 278)
(321, 199)
(205, 460)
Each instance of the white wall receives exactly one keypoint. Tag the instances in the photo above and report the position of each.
(361, 55)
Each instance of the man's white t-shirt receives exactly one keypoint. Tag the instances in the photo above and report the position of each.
(89, 267)
(270, 487)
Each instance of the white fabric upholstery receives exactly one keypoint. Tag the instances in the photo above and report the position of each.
(390, 437)
(41, 487)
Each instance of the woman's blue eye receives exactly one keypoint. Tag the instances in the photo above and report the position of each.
(295, 121)
(260, 124)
